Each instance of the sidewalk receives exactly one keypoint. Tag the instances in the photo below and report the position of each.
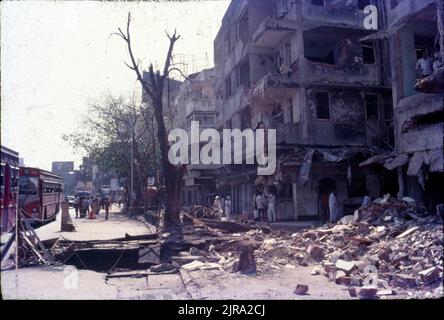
(117, 226)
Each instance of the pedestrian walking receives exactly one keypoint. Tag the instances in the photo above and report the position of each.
(96, 207)
(76, 207)
(92, 208)
(107, 205)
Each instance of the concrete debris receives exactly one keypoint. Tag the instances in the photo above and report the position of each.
(301, 289)
(368, 292)
(388, 246)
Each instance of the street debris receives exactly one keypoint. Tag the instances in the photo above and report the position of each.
(301, 289)
(388, 247)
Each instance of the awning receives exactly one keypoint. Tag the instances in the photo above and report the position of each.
(399, 161)
(378, 159)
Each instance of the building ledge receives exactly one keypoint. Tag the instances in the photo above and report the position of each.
(271, 31)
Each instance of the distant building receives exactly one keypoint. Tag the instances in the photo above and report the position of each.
(66, 170)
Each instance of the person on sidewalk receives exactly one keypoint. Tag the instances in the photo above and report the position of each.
(271, 211)
(107, 205)
(260, 205)
(92, 209)
(218, 206)
(76, 207)
(96, 207)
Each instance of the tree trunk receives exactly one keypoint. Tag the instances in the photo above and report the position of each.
(173, 174)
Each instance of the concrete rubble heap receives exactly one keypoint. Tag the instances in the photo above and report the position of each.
(389, 247)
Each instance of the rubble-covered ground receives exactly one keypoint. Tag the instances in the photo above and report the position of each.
(388, 249)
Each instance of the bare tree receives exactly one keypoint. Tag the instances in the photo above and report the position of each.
(155, 89)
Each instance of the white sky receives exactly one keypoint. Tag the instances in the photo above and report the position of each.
(55, 56)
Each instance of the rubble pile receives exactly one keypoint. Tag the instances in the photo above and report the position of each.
(388, 247)
(198, 211)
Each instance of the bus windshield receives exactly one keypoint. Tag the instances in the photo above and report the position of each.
(28, 185)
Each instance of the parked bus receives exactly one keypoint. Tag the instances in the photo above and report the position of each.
(40, 194)
(9, 188)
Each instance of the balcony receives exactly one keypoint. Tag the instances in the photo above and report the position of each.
(348, 17)
(200, 105)
(272, 86)
(407, 8)
(272, 31)
(341, 75)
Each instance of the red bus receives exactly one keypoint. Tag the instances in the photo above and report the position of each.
(40, 194)
(9, 188)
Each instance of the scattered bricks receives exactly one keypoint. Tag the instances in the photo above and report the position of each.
(342, 279)
(368, 292)
(430, 275)
(404, 281)
(301, 289)
(345, 265)
(352, 292)
(316, 252)
(384, 292)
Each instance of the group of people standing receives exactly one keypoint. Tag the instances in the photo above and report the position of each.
(92, 206)
(428, 63)
(223, 206)
(264, 206)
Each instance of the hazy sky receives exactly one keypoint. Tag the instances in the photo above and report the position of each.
(55, 56)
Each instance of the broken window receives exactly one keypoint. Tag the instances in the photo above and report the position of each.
(317, 3)
(319, 46)
(368, 53)
(322, 105)
(371, 106)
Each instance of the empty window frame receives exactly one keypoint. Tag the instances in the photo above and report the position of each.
(368, 53)
(322, 99)
(371, 106)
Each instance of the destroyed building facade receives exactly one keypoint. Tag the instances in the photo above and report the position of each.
(196, 101)
(349, 111)
(299, 67)
(412, 28)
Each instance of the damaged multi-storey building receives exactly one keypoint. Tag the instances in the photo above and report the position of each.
(299, 67)
(197, 101)
(415, 30)
(312, 70)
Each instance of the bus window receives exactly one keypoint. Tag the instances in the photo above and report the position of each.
(28, 185)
